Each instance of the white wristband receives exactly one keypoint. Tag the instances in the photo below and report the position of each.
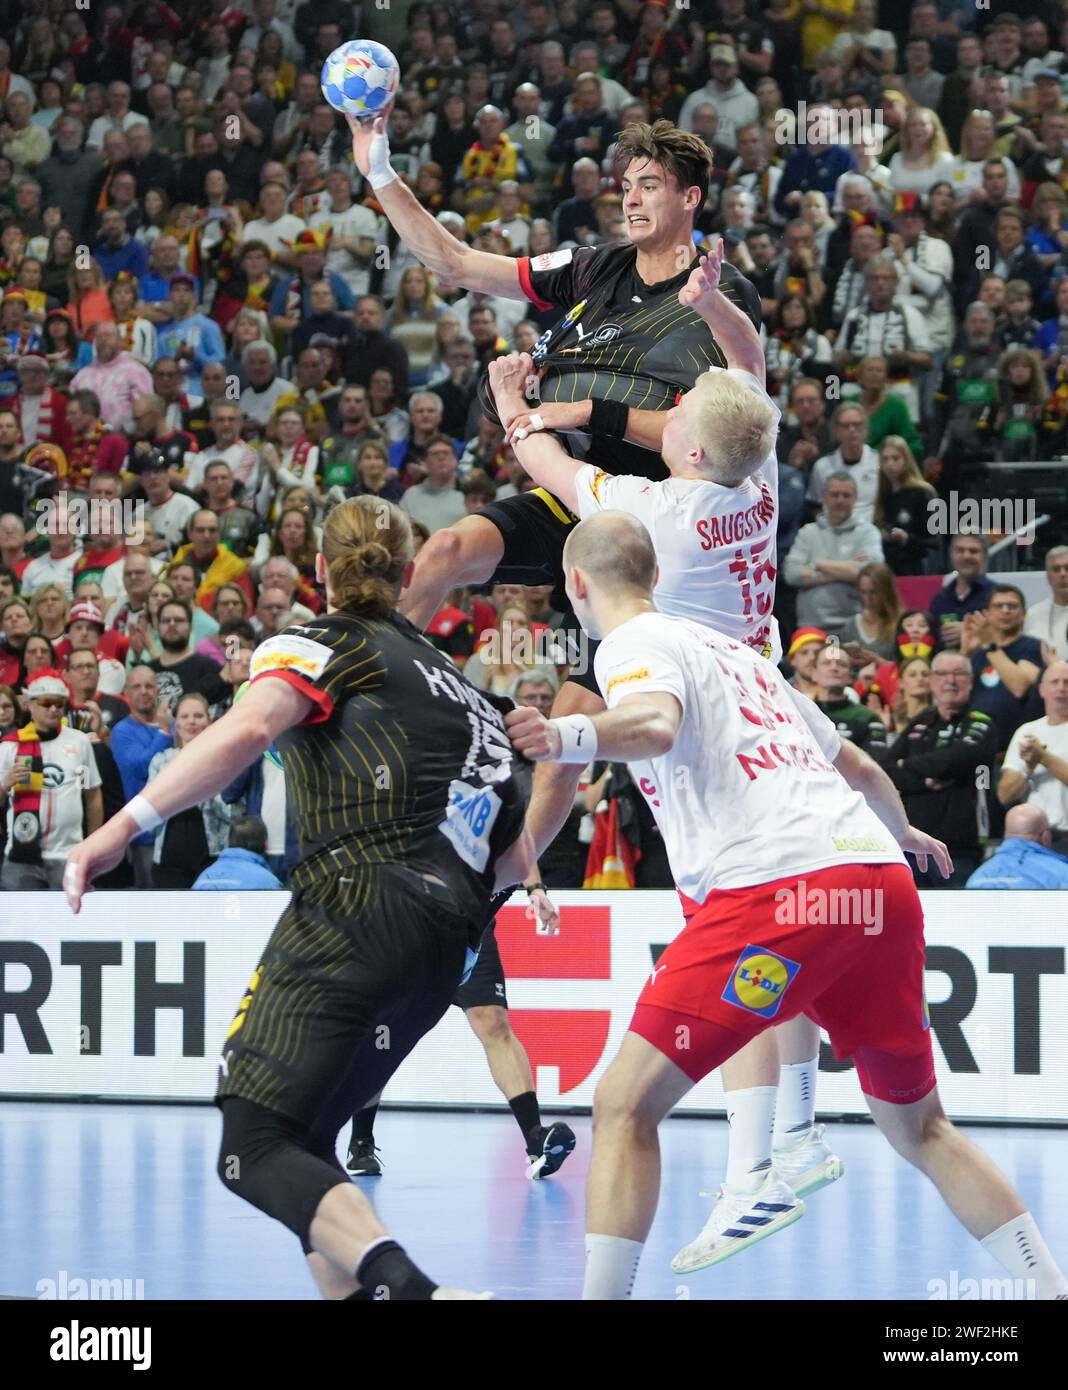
(144, 813)
(380, 171)
(578, 738)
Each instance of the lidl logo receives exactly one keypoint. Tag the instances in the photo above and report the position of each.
(759, 981)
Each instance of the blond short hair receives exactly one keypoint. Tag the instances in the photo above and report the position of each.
(735, 427)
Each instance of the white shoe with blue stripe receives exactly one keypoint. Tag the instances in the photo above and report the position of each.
(738, 1221)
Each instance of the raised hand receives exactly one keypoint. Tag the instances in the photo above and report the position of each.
(699, 289)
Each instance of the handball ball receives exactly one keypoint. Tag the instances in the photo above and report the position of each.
(360, 77)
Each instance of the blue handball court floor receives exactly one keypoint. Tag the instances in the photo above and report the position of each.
(129, 1192)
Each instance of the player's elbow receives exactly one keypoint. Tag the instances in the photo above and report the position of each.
(659, 736)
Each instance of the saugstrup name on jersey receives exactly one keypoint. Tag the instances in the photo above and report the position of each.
(730, 529)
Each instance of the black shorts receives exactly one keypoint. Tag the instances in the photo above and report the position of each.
(341, 996)
(534, 527)
(487, 983)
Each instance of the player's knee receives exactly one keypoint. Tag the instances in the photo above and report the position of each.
(249, 1135)
(441, 556)
(490, 1023)
(616, 1102)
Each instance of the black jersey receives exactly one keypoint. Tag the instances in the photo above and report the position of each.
(621, 340)
(402, 761)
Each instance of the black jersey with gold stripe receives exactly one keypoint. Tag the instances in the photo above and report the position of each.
(401, 759)
(621, 339)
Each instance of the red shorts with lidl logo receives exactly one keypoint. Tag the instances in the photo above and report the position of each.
(842, 945)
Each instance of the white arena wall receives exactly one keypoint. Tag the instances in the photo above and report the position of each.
(131, 1000)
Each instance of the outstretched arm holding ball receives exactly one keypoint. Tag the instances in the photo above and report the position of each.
(449, 259)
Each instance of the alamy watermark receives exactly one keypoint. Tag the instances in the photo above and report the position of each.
(988, 516)
(67, 515)
(956, 1289)
(815, 124)
(70, 1286)
(830, 907)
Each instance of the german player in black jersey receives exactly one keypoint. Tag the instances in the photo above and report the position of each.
(615, 363)
(409, 802)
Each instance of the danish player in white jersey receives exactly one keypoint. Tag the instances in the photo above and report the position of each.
(713, 524)
(760, 804)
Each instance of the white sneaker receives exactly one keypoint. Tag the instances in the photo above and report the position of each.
(739, 1220)
(445, 1294)
(807, 1163)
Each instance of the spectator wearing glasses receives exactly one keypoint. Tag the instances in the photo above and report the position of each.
(933, 763)
(182, 671)
(1007, 665)
(46, 819)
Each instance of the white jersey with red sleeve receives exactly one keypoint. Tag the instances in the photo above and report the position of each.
(748, 793)
(715, 545)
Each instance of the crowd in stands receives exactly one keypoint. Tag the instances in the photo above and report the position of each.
(210, 335)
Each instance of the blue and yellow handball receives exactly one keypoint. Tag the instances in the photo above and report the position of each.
(360, 78)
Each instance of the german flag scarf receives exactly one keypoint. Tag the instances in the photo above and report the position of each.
(26, 798)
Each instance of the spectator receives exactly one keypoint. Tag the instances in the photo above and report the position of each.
(373, 348)
(871, 634)
(1010, 256)
(276, 228)
(1025, 860)
(117, 250)
(265, 389)
(1019, 328)
(114, 378)
(191, 841)
(795, 349)
(735, 104)
(437, 502)
(239, 526)
(413, 320)
(294, 462)
(1006, 664)
(933, 763)
(826, 559)
(16, 623)
(50, 818)
(137, 335)
(242, 866)
(180, 669)
(902, 509)
(576, 217)
(1022, 427)
(967, 590)
(1035, 769)
(1047, 620)
(167, 511)
(294, 540)
(854, 457)
(57, 565)
(41, 409)
(855, 722)
(67, 173)
(505, 655)
(887, 413)
(126, 605)
(802, 443)
(903, 698)
(226, 444)
(212, 563)
(818, 162)
(191, 339)
(924, 157)
(889, 329)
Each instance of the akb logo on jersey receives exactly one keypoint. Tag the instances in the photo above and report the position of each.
(759, 981)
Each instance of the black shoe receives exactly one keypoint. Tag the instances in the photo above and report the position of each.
(363, 1161)
(547, 1147)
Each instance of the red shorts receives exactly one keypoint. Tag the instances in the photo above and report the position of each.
(843, 945)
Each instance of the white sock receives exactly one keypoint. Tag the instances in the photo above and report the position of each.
(750, 1113)
(611, 1267)
(1018, 1247)
(796, 1110)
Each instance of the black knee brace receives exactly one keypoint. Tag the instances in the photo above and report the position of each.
(267, 1159)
